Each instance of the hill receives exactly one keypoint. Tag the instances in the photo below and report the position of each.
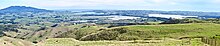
(76, 31)
(166, 34)
(145, 32)
(73, 42)
(22, 9)
(7, 41)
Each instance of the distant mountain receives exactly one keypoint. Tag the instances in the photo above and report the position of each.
(23, 9)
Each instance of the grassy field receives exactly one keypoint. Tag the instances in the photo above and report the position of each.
(143, 32)
(174, 30)
(7, 41)
(134, 35)
(165, 42)
(145, 35)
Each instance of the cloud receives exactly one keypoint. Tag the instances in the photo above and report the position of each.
(81, 2)
(106, 4)
(116, 4)
(67, 3)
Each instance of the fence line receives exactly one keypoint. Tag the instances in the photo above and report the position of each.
(211, 41)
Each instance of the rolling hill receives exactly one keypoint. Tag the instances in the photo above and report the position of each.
(144, 32)
(166, 34)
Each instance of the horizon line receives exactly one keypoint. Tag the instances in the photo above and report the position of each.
(69, 9)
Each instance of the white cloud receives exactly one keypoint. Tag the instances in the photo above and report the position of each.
(116, 4)
(68, 3)
(109, 4)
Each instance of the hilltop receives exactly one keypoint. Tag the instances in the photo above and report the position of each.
(143, 32)
(23, 9)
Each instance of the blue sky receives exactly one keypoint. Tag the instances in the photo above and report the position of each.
(171, 5)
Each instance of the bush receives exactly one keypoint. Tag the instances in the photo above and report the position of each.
(120, 30)
(124, 38)
(151, 23)
(180, 21)
(68, 34)
(104, 35)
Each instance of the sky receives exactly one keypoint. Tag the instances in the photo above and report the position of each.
(167, 5)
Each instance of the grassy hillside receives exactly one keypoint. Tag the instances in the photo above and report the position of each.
(80, 32)
(175, 30)
(165, 42)
(71, 31)
(144, 32)
(166, 34)
(7, 41)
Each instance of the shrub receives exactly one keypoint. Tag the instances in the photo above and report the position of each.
(124, 38)
(104, 35)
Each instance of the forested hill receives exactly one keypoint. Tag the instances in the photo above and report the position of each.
(16, 9)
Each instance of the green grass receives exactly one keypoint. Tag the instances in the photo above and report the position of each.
(72, 31)
(7, 41)
(174, 30)
(166, 42)
(59, 42)
(135, 35)
(80, 32)
(141, 32)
